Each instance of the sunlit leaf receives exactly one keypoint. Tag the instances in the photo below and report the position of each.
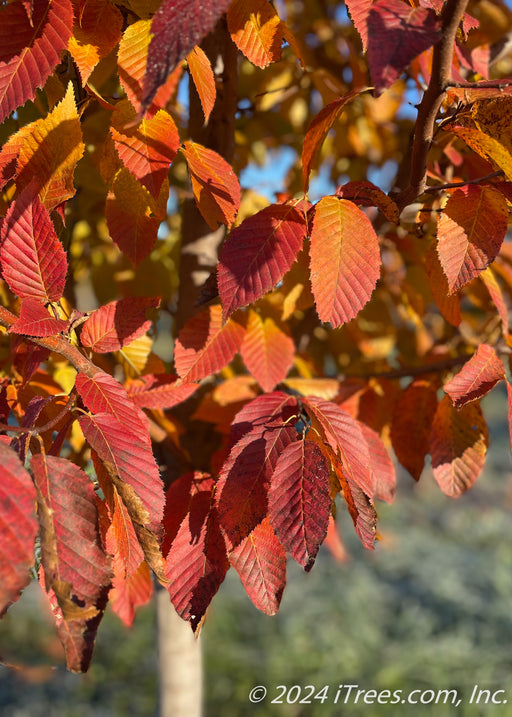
(36, 320)
(477, 377)
(96, 31)
(267, 351)
(117, 323)
(204, 80)
(255, 29)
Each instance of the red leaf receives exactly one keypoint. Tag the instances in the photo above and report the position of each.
(397, 34)
(458, 445)
(345, 260)
(344, 436)
(242, 489)
(361, 511)
(121, 538)
(75, 566)
(476, 378)
(129, 457)
(204, 80)
(146, 148)
(36, 320)
(160, 391)
(97, 30)
(412, 420)
(317, 132)
(366, 194)
(129, 593)
(256, 30)
(258, 253)
(177, 502)
(267, 351)
(103, 394)
(299, 501)
(496, 295)
(205, 344)
(276, 407)
(215, 186)
(18, 527)
(116, 324)
(359, 11)
(260, 561)
(197, 560)
(177, 27)
(30, 50)
(33, 260)
(381, 465)
(470, 233)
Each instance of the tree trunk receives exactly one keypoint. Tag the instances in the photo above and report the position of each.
(180, 664)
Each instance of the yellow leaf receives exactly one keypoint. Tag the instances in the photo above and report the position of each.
(96, 33)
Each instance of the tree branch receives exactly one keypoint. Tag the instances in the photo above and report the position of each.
(432, 100)
(58, 344)
(454, 185)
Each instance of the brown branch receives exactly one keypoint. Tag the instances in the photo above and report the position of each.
(58, 344)
(432, 100)
(406, 371)
(454, 185)
(37, 430)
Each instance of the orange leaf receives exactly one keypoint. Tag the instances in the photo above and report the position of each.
(476, 378)
(448, 304)
(458, 445)
(496, 295)
(256, 30)
(345, 260)
(132, 60)
(129, 593)
(50, 151)
(133, 216)
(204, 79)
(412, 420)
(470, 233)
(267, 351)
(317, 132)
(146, 148)
(97, 30)
(205, 344)
(215, 186)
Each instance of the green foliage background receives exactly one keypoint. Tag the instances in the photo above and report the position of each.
(431, 608)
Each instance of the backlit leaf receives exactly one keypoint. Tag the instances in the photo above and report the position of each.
(160, 391)
(75, 566)
(257, 254)
(50, 151)
(205, 344)
(359, 11)
(381, 465)
(197, 561)
(344, 436)
(147, 147)
(215, 186)
(397, 34)
(345, 260)
(117, 323)
(299, 500)
(30, 50)
(255, 29)
(177, 27)
(267, 351)
(470, 233)
(448, 304)
(201, 70)
(132, 62)
(133, 215)
(18, 527)
(477, 377)
(458, 445)
(317, 132)
(260, 561)
(130, 593)
(36, 320)
(496, 295)
(96, 31)
(33, 260)
(412, 419)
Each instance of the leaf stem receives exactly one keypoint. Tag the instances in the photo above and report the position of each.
(454, 185)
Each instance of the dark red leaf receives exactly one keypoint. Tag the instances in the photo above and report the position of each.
(197, 561)
(177, 503)
(177, 27)
(260, 561)
(18, 527)
(258, 253)
(299, 501)
(397, 33)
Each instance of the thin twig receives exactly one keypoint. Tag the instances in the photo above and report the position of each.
(454, 185)
(430, 105)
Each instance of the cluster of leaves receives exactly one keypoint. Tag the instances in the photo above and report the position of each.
(327, 334)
